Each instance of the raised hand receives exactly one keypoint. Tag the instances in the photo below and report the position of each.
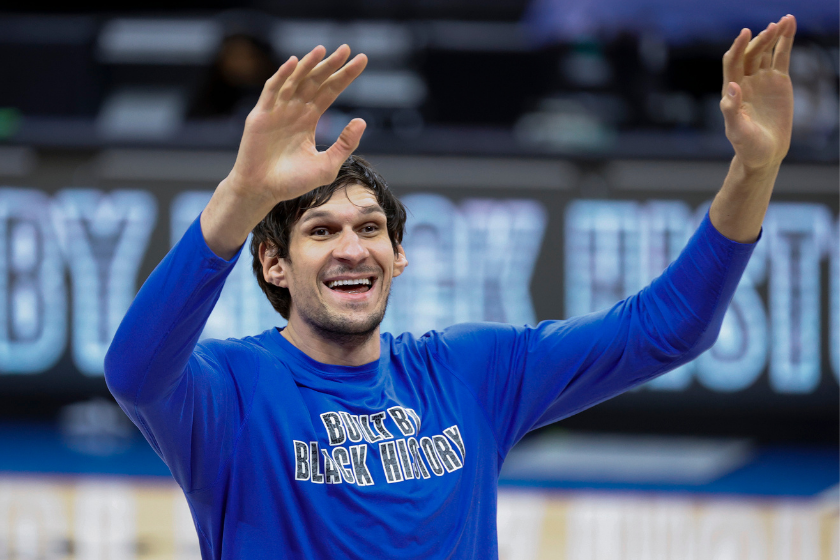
(757, 96)
(757, 105)
(277, 158)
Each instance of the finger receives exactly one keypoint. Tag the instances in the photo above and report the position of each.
(781, 56)
(755, 50)
(767, 55)
(338, 82)
(767, 58)
(326, 68)
(757, 47)
(733, 59)
(304, 67)
(346, 144)
(274, 83)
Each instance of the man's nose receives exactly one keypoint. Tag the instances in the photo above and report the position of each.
(350, 248)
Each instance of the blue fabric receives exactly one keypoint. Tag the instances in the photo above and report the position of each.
(284, 457)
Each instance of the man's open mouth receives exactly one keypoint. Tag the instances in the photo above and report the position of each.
(352, 286)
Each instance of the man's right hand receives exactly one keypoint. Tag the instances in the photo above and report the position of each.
(278, 159)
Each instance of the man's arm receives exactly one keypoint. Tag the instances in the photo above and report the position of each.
(527, 377)
(532, 376)
(185, 401)
(277, 158)
(757, 106)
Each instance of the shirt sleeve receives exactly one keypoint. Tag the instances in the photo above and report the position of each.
(527, 377)
(182, 398)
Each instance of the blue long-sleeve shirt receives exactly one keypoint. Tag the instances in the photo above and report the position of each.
(281, 456)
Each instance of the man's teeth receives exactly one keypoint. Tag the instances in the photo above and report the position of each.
(359, 281)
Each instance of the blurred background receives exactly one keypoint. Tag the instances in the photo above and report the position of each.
(555, 155)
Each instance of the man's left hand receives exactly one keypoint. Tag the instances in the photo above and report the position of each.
(757, 101)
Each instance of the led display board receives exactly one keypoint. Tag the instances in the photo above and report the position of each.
(72, 258)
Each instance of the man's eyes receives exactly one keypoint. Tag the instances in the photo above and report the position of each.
(324, 231)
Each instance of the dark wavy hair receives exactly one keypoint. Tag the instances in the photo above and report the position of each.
(274, 230)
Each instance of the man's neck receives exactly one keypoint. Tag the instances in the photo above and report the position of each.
(337, 350)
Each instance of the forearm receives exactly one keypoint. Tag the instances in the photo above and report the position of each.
(738, 210)
(568, 366)
(679, 315)
(230, 216)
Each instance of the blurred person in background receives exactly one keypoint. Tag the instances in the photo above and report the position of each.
(239, 71)
(329, 439)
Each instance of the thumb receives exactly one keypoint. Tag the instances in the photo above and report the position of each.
(730, 105)
(347, 142)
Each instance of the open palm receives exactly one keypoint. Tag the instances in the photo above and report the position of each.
(278, 159)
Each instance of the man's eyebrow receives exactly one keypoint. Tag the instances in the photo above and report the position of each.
(320, 214)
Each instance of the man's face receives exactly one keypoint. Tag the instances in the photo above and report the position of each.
(340, 265)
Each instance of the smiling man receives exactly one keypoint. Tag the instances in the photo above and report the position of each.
(345, 258)
(329, 439)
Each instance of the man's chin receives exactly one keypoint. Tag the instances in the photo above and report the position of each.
(350, 322)
(346, 324)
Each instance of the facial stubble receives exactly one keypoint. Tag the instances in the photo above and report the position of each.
(338, 328)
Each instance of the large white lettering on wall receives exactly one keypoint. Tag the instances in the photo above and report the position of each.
(33, 299)
(69, 267)
(103, 238)
(467, 262)
(613, 248)
(798, 237)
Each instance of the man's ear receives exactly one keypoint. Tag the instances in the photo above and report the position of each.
(400, 261)
(273, 267)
